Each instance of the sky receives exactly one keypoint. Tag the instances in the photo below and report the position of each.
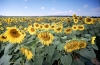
(49, 7)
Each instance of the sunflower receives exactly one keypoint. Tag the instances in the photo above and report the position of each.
(3, 38)
(31, 30)
(82, 44)
(41, 26)
(46, 38)
(88, 20)
(9, 20)
(68, 30)
(74, 15)
(75, 20)
(74, 27)
(68, 20)
(80, 18)
(93, 39)
(27, 53)
(36, 25)
(71, 46)
(80, 27)
(14, 35)
(58, 29)
(46, 26)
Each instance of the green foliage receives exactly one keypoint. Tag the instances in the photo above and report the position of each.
(66, 59)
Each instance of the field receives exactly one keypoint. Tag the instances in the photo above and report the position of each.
(44, 40)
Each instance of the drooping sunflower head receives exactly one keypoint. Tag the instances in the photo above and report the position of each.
(71, 46)
(80, 27)
(74, 27)
(3, 38)
(14, 35)
(68, 30)
(27, 53)
(88, 20)
(93, 39)
(46, 38)
(82, 44)
(31, 30)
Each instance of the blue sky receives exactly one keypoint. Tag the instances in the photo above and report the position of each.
(49, 7)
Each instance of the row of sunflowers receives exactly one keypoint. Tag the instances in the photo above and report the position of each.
(43, 40)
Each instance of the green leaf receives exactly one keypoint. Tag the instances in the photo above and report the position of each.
(5, 59)
(95, 46)
(77, 62)
(38, 60)
(66, 59)
(17, 48)
(87, 53)
(56, 55)
(56, 42)
(17, 62)
(65, 37)
(60, 47)
(6, 51)
(49, 50)
(29, 62)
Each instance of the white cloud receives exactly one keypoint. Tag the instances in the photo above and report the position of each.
(85, 6)
(78, 10)
(25, 7)
(42, 7)
(52, 9)
(96, 9)
(25, 0)
(70, 12)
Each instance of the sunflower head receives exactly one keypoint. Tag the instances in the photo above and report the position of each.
(80, 27)
(3, 38)
(88, 20)
(46, 26)
(82, 44)
(93, 39)
(31, 30)
(74, 27)
(58, 29)
(75, 20)
(27, 53)
(68, 30)
(36, 25)
(14, 35)
(46, 38)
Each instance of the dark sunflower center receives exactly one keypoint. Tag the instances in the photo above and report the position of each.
(58, 29)
(3, 37)
(14, 33)
(37, 25)
(52, 26)
(88, 19)
(68, 30)
(80, 27)
(46, 26)
(32, 29)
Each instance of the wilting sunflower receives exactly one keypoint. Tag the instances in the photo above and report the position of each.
(27, 53)
(31, 30)
(71, 46)
(46, 38)
(88, 20)
(82, 44)
(93, 39)
(74, 27)
(58, 29)
(80, 27)
(3, 38)
(36, 25)
(14, 35)
(68, 30)
(46, 26)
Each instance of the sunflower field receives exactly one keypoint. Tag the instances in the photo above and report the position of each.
(44, 40)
